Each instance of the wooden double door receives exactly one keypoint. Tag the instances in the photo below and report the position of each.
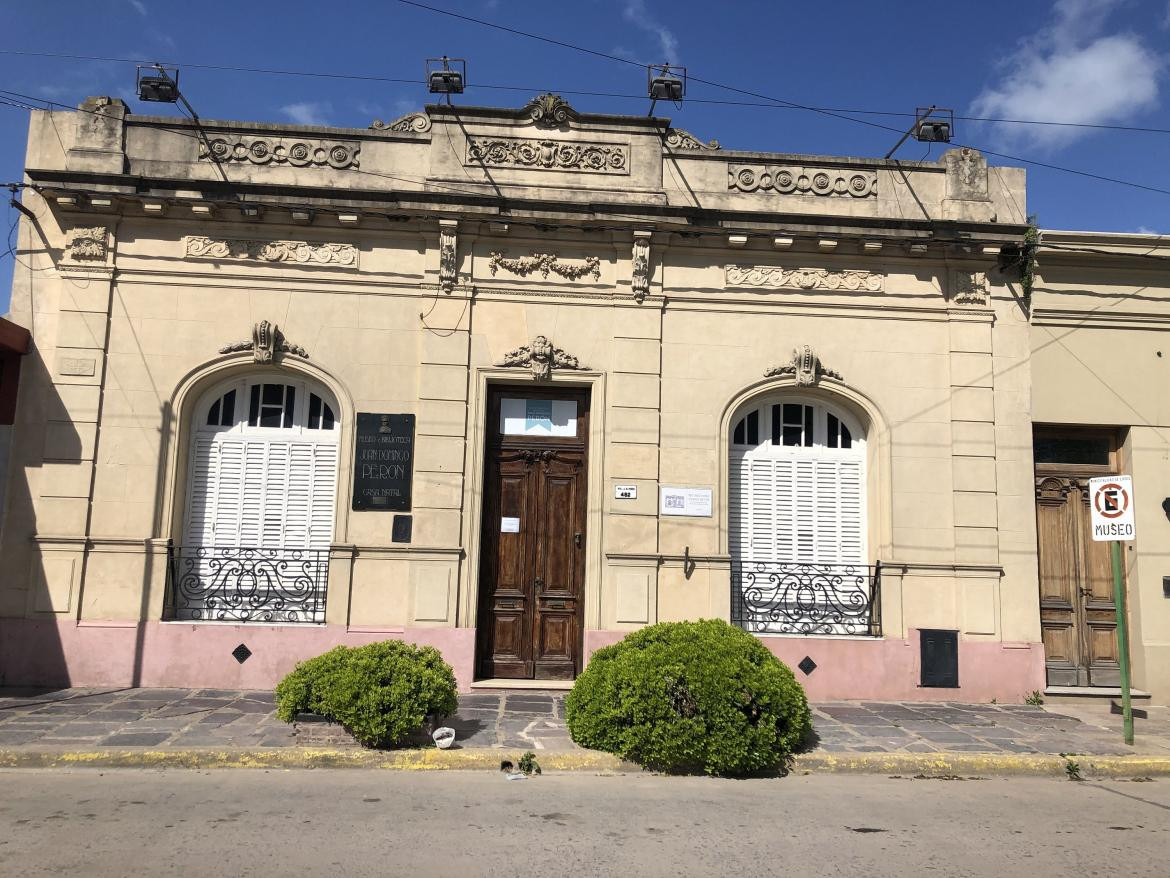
(532, 574)
(1077, 613)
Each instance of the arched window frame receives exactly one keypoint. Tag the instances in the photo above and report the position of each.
(853, 550)
(261, 504)
(299, 421)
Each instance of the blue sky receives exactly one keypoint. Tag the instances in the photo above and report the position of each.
(1101, 62)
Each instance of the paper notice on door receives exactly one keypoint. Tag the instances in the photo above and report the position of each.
(509, 525)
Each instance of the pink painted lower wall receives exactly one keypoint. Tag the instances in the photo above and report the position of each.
(888, 670)
(35, 652)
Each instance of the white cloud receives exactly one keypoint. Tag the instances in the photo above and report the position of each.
(308, 112)
(635, 12)
(1071, 71)
(139, 7)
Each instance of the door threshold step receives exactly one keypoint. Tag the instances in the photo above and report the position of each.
(555, 685)
(1092, 692)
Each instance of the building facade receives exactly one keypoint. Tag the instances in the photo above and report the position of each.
(514, 382)
(1099, 319)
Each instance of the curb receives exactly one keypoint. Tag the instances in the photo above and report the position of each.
(981, 764)
(587, 761)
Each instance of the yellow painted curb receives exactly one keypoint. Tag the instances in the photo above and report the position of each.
(400, 760)
(980, 764)
(585, 761)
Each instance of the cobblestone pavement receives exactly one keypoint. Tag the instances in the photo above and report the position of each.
(79, 719)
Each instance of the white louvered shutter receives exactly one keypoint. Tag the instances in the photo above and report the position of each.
(797, 505)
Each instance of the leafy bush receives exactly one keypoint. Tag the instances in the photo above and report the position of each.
(690, 696)
(380, 692)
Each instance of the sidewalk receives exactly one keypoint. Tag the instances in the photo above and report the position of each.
(163, 720)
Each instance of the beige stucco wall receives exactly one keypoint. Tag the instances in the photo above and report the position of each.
(1101, 357)
(939, 373)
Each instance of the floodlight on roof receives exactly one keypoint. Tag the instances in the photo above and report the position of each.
(931, 125)
(665, 82)
(445, 79)
(158, 84)
(934, 125)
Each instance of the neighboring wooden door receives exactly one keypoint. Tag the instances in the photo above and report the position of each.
(1077, 614)
(532, 576)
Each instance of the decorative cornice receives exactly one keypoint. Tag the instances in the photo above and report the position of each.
(261, 150)
(801, 181)
(541, 357)
(550, 111)
(266, 342)
(677, 138)
(774, 276)
(87, 244)
(969, 288)
(417, 122)
(545, 263)
(552, 155)
(300, 252)
(806, 366)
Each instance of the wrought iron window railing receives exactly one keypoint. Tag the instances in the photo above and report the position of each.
(806, 598)
(246, 584)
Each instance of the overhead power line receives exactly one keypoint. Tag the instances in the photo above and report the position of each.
(781, 101)
(769, 103)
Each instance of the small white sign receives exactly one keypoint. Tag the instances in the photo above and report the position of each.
(625, 492)
(1111, 508)
(509, 525)
(694, 502)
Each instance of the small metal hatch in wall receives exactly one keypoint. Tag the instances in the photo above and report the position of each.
(939, 658)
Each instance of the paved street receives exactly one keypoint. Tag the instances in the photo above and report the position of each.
(261, 823)
(180, 718)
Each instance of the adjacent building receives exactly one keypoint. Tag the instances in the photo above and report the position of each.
(514, 382)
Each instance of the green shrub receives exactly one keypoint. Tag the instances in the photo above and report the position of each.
(380, 693)
(687, 697)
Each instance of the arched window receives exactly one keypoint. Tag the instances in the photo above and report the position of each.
(797, 517)
(261, 493)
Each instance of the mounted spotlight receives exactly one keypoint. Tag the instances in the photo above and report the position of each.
(931, 125)
(934, 125)
(158, 84)
(445, 79)
(665, 82)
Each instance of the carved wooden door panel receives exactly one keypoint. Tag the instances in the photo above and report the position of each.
(532, 572)
(1077, 616)
(559, 565)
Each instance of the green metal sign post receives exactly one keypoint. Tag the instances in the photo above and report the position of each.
(1122, 643)
(1111, 514)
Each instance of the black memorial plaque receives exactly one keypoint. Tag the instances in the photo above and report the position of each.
(383, 462)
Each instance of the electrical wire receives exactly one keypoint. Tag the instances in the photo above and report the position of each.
(770, 103)
(781, 101)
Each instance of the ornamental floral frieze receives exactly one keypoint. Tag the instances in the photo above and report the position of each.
(296, 152)
(299, 252)
(805, 367)
(87, 244)
(541, 357)
(776, 277)
(792, 180)
(969, 288)
(448, 246)
(266, 342)
(550, 111)
(417, 123)
(546, 264)
(677, 138)
(551, 155)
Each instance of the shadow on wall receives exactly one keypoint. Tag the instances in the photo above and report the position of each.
(39, 580)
